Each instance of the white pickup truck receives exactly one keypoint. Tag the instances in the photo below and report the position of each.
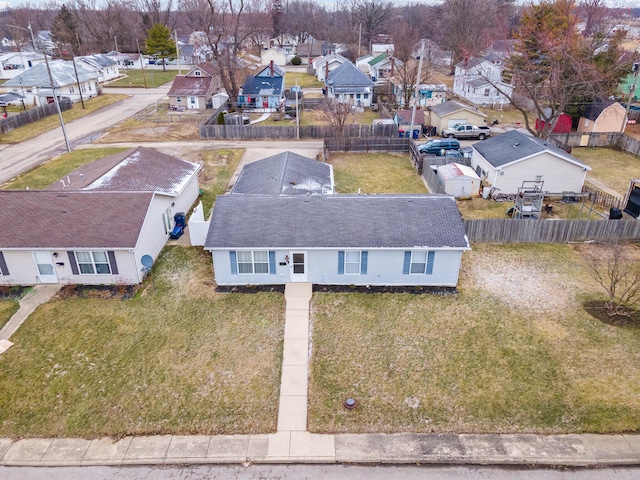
(467, 131)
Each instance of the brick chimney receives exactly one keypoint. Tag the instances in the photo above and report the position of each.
(393, 66)
(271, 68)
(326, 69)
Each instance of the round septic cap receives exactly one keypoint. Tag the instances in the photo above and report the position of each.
(350, 403)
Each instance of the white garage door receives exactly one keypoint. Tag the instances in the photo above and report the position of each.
(451, 123)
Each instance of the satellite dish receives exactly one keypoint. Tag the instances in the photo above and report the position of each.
(147, 261)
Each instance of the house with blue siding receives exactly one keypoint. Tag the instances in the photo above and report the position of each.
(265, 90)
(401, 240)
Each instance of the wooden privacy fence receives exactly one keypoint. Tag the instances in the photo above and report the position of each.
(431, 178)
(33, 115)
(506, 230)
(290, 132)
(369, 144)
(614, 140)
(600, 197)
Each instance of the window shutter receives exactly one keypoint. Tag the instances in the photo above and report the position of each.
(234, 262)
(363, 263)
(3, 265)
(430, 257)
(272, 262)
(341, 262)
(72, 262)
(407, 263)
(112, 261)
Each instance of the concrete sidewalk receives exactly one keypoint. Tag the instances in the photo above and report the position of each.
(304, 447)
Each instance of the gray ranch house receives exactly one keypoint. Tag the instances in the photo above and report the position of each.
(402, 240)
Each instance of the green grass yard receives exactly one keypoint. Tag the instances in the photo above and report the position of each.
(614, 168)
(136, 78)
(304, 80)
(375, 173)
(44, 175)
(49, 123)
(8, 306)
(182, 359)
(513, 352)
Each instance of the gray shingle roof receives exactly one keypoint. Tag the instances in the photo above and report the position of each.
(141, 170)
(451, 106)
(348, 75)
(285, 174)
(62, 72)
(183, 86)
(336, 221)
(71, 219)
(513, 146)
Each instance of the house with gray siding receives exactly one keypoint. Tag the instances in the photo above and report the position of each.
(94, 225)
(401, 240)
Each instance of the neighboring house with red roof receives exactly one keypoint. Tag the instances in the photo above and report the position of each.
(195, 89)
(94, 225)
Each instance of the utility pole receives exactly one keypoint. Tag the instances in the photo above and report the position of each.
(175, 33)
(53, 89)
(359, 39)
(297, 113)
(635, 68)
(144, 78)
(415, 89)
(75, 69)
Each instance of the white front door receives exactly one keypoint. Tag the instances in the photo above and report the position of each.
(193, 102)
(298, 266)
(46, 269)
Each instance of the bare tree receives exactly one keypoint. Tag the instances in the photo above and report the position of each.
(406, 39)
(619, 276)
(156, 11)
(470, 25)
(338, 114)
(226, 26)
(104, 25)
(368, 16)
(552, 66)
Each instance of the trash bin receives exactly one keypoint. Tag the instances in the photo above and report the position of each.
(180, 219)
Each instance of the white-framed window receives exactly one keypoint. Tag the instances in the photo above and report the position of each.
(486, 92)
(253, 262)
(178, 99)
(92, 263)
(352, 262)
(420, 262)
(197, 73)
(71, 90)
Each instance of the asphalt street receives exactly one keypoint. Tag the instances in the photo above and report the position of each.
(17, 158)
(315, 472)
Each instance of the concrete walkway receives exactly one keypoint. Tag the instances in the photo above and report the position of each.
(40, 294)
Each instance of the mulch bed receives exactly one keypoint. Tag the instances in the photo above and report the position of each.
(250, 288)
(106, 292)
(416, 289)
(13, 291)
(597, 310)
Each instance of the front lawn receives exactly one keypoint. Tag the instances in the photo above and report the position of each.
(613, 168)
(136, 78)
(375, 173)
(8, 306)
(179, 360)
(53, 121)
(514, 351)
(44, 175)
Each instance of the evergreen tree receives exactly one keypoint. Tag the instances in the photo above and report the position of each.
(64, 31)
(160, 44)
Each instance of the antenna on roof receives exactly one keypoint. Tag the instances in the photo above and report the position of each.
(81, 177)
(63, 185)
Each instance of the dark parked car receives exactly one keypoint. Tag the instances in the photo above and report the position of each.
(438, 146)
